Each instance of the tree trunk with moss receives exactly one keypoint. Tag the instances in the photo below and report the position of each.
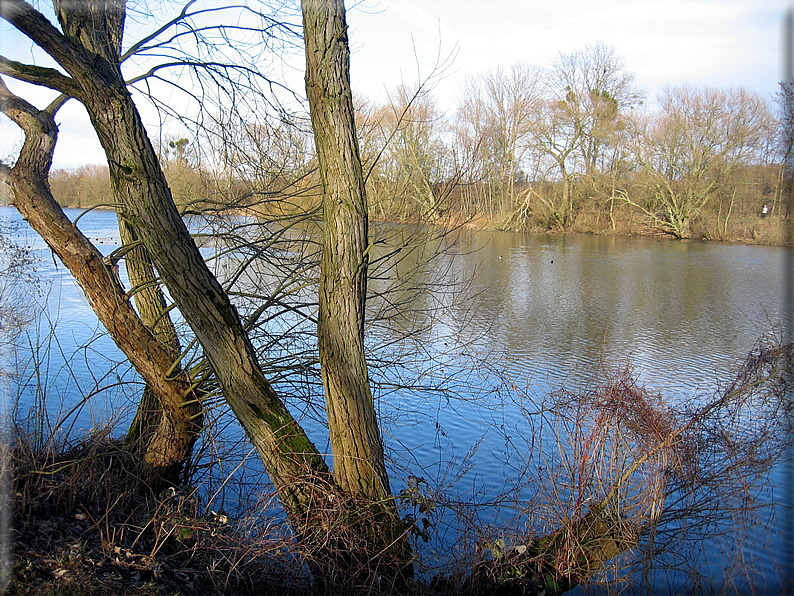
(358, 464)
(295, 466)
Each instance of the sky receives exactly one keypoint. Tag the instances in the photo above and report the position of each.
(717, 43)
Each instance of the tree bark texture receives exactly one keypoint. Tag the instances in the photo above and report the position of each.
(358, 464)
(94, 77)
(179, 418)
(355, 438)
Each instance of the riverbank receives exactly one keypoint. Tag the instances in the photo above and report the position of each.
(621, 221)
(82, 525)
(751, 230)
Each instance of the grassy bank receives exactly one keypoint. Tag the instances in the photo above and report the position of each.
(748, 229)
(593, 208)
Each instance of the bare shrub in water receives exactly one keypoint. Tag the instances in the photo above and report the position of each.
(625, 483)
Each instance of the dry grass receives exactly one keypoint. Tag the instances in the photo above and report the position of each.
(82, 525)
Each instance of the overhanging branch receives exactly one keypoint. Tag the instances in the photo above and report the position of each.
(39, 75)
(185, 15)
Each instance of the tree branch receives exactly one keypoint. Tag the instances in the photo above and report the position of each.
(136, 47)
(73, 59)
(39, 75)
(33, 24)
(184, 15)
(37, 154)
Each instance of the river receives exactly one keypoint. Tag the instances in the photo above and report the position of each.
(531, 314)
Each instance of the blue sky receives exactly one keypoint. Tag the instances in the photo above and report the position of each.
(719, 43)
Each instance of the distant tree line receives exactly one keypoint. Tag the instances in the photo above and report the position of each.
(574, 147)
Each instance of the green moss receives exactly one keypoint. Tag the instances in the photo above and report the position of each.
(290, 438)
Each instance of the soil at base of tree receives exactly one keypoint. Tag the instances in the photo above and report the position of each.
(80, 527)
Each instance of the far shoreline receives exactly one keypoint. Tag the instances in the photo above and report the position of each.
(760, 231)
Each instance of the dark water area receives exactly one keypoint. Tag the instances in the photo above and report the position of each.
(540, 312)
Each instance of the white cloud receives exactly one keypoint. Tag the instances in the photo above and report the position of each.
(702, 42)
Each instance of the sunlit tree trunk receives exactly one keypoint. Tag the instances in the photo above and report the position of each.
(358, 464)
(175, 427)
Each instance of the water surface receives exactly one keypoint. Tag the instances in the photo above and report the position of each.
(539, 311)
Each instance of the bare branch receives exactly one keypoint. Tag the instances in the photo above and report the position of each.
(141, 47)
(136, 47)
(39, 75)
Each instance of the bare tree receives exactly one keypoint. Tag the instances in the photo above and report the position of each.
(689, 152)
(178, 411)
(407, 160)
(587, 92)
(496, 119)
(597, 89)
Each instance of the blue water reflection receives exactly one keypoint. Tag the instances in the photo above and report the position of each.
(534, 313)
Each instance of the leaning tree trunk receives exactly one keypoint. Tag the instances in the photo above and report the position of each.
(151, 306)
(358, 464)
(99, 32)
(296, 468)
(171, 441)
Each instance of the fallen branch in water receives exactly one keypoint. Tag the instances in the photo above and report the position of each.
(629, 469)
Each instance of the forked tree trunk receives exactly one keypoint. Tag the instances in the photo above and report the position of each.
(358, 464)
(178, 419)
(296, 468)
(99, 32)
